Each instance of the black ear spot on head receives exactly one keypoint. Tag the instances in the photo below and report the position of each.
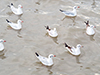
(11, 3)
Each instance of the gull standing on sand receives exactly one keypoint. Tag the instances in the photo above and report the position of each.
(17, 11)
(44, 60)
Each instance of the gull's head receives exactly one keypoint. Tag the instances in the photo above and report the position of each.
(91, 26)
(1, 41)
(20, 6)
(79, 45)
(20, 21)
(75, 7)
(52, 55)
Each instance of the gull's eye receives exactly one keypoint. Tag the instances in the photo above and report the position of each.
(51, 56)
(79, 46)
(74, 7)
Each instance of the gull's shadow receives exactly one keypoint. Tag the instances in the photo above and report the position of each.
(9, 13)
(76, 56)
(63, 18)
(2, 54)
(68, 17)
(19, 16)
(77, 59)
(49, 70)
(73, 19)
(38, 3)
(53, 38)
(19, 31)
(36, 10)
(93, 4)
(91, 38)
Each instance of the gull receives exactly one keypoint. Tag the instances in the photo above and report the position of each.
(44, 60)
(17, 11)
(70, 13)
(1, 44)
(73, 50)
(16, 26)
(89, 28)
(51, 32)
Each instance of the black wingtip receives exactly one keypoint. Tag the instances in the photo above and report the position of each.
(11, 3)
(36, 54)
(47, 27)
(66, 45)
(8, 5)
(60, 10)
(87, 23)
(7, 20)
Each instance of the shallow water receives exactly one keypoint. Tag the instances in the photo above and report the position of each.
(18, 57)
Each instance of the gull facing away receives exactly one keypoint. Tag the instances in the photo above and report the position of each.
(16, 26)
(17, 11)
(1, 44)
(73, 50)
(89, 28)
(51, 32)
(44, 60)
(70, 13)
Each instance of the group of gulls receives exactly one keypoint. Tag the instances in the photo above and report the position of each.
(52, 32)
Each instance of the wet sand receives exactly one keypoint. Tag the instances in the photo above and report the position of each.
(18, 57)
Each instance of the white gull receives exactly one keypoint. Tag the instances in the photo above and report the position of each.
(1, 44)
(73, 50)
(90, 29)
(70, 13)
(15, 26)
(52, 32)
(17, 11)
(44, 60)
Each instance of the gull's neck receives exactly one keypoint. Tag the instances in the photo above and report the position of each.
(1, 42)
(77, 47)
(18, 22)
(74, 11)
